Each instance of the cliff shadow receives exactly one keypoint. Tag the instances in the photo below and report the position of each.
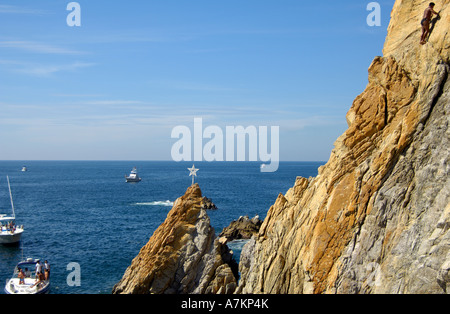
(433, 24)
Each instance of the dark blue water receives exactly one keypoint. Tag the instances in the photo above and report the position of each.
(84, 212)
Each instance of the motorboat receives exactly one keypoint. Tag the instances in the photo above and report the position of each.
(133, 177)
(24, 169)
(30, 283)
(10, 233)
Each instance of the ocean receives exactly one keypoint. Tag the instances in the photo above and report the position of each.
(84, 212)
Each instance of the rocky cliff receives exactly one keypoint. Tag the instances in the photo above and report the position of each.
(183, 255)
(376, 219)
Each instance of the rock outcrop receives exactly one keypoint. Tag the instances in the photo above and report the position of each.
(183, 256)
(207, 203)
(376, 219)
(243, 228)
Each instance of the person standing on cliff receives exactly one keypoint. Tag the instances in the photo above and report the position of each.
(426, 22)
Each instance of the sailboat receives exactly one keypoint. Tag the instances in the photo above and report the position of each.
(9, 232)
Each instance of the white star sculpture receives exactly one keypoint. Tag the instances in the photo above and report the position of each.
(193, 173)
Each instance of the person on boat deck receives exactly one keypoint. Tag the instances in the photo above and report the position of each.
(47, 270)
(40, 278)
(27, 273)
(38, 269)
(10, 226)
(21, 276)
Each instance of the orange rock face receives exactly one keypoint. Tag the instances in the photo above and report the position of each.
(183, 255)
(336, 233)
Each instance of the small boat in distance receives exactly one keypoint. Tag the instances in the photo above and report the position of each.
(133, 177)
(9, 232)
(26, 281)
(24, 169)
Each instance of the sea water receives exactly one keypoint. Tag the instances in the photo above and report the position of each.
(84, 212)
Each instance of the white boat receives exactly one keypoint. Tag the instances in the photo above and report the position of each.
(133, 177)
(24, 169)
(10, 233)
(31, 284)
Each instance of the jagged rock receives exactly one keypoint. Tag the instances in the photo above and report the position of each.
(375, 219)
(183, 255)
(243, 228)
(207, 203)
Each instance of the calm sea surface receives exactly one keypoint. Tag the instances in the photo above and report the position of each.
(84, 212)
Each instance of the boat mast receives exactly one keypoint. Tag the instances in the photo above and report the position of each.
(10, 196)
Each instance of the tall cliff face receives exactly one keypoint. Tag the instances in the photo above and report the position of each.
(376, 219)
(183, 255)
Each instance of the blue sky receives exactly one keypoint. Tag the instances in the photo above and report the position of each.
(114, 88)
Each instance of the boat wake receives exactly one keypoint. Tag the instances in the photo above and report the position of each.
(156, 203)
